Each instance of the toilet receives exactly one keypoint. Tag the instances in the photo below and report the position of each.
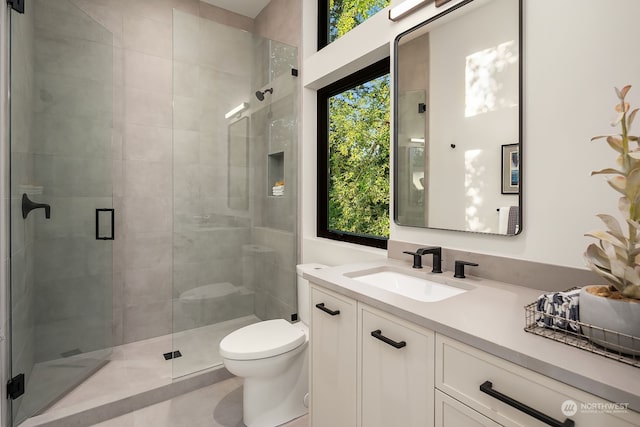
(272, 357)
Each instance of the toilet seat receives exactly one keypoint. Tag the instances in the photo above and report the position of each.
(262, 340)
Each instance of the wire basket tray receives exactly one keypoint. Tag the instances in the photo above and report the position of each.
(535, 322)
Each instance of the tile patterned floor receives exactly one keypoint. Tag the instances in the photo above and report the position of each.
(219, 405)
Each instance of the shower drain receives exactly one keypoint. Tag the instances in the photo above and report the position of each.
(172, 355)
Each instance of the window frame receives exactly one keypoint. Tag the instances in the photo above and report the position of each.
(323, 23)
(373, 71)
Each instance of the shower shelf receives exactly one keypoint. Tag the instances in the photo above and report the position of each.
(275, 166)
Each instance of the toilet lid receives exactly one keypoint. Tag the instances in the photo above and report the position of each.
(261, 340)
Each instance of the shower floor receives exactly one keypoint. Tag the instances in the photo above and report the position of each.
(138, 367)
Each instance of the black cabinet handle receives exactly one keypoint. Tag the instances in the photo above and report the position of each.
(378, 334)
(487, 387)
(326, 310)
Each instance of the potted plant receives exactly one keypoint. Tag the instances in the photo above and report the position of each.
(616, 257)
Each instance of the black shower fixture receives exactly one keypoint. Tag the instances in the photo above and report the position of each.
(260, 94)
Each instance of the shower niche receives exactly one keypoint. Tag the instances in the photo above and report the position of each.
(275, 173)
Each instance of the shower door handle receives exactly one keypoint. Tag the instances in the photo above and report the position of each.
(111, 235)
(28, 205)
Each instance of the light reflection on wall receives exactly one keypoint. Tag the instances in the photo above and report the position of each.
(488, 76)
(475, 169)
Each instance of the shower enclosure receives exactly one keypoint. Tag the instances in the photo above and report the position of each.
(234, 141)
(85, 278)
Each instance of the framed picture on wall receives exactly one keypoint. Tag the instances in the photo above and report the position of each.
(510, 169)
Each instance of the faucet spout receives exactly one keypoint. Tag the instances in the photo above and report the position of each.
(436, 251)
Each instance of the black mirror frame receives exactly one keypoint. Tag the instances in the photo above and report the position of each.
(520, 115)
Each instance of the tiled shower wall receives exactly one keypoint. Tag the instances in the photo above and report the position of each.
(142, 147)
(212, 70)
(141, 110)
(142, 128)
(215, 240)
(275, 218)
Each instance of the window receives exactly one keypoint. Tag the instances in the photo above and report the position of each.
(337, 17)
(353, 157)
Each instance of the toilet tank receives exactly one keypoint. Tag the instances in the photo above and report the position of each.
(303, 289)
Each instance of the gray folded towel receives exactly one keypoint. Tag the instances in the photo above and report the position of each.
(559, 310)
(513, 221)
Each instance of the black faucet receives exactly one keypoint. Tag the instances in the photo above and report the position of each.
(436, 251)
(459, 268)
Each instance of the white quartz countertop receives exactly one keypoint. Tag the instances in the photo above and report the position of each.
(491, 318)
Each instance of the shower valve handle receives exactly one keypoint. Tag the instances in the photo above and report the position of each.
(29, 205)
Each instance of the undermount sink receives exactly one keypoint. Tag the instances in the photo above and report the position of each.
(412, 287)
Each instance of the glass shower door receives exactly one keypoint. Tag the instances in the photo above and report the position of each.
(61, 201)
(234, 140)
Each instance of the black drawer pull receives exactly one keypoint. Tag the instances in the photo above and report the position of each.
(326, 310)
(396, 344)
(487, 388)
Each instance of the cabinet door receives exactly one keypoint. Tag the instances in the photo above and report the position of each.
(333, 360)
(451, 413)
(397, 372)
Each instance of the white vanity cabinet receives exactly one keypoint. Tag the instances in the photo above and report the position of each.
(333, 359)
(368, 368)
(397, 362)
(461, 370)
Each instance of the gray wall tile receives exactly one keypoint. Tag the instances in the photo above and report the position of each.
(146, 320)
(147, 72)
(148, 108)
(147, 36)
(149, 143)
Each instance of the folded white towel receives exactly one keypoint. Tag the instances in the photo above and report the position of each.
(503, 220)
(559, 310)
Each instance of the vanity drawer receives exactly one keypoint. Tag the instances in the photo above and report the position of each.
(451, 413)
(461, 370)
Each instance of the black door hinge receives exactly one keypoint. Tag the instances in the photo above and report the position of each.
(17, 5)
(15, 387)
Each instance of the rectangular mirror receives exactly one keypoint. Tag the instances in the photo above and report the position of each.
(239, 164)
(458, 133)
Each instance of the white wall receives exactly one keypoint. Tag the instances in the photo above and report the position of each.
(575, 52)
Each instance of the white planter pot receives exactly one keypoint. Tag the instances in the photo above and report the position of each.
(612, 315)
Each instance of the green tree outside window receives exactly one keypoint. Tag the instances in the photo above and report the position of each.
(345, 15)
(359, 135)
